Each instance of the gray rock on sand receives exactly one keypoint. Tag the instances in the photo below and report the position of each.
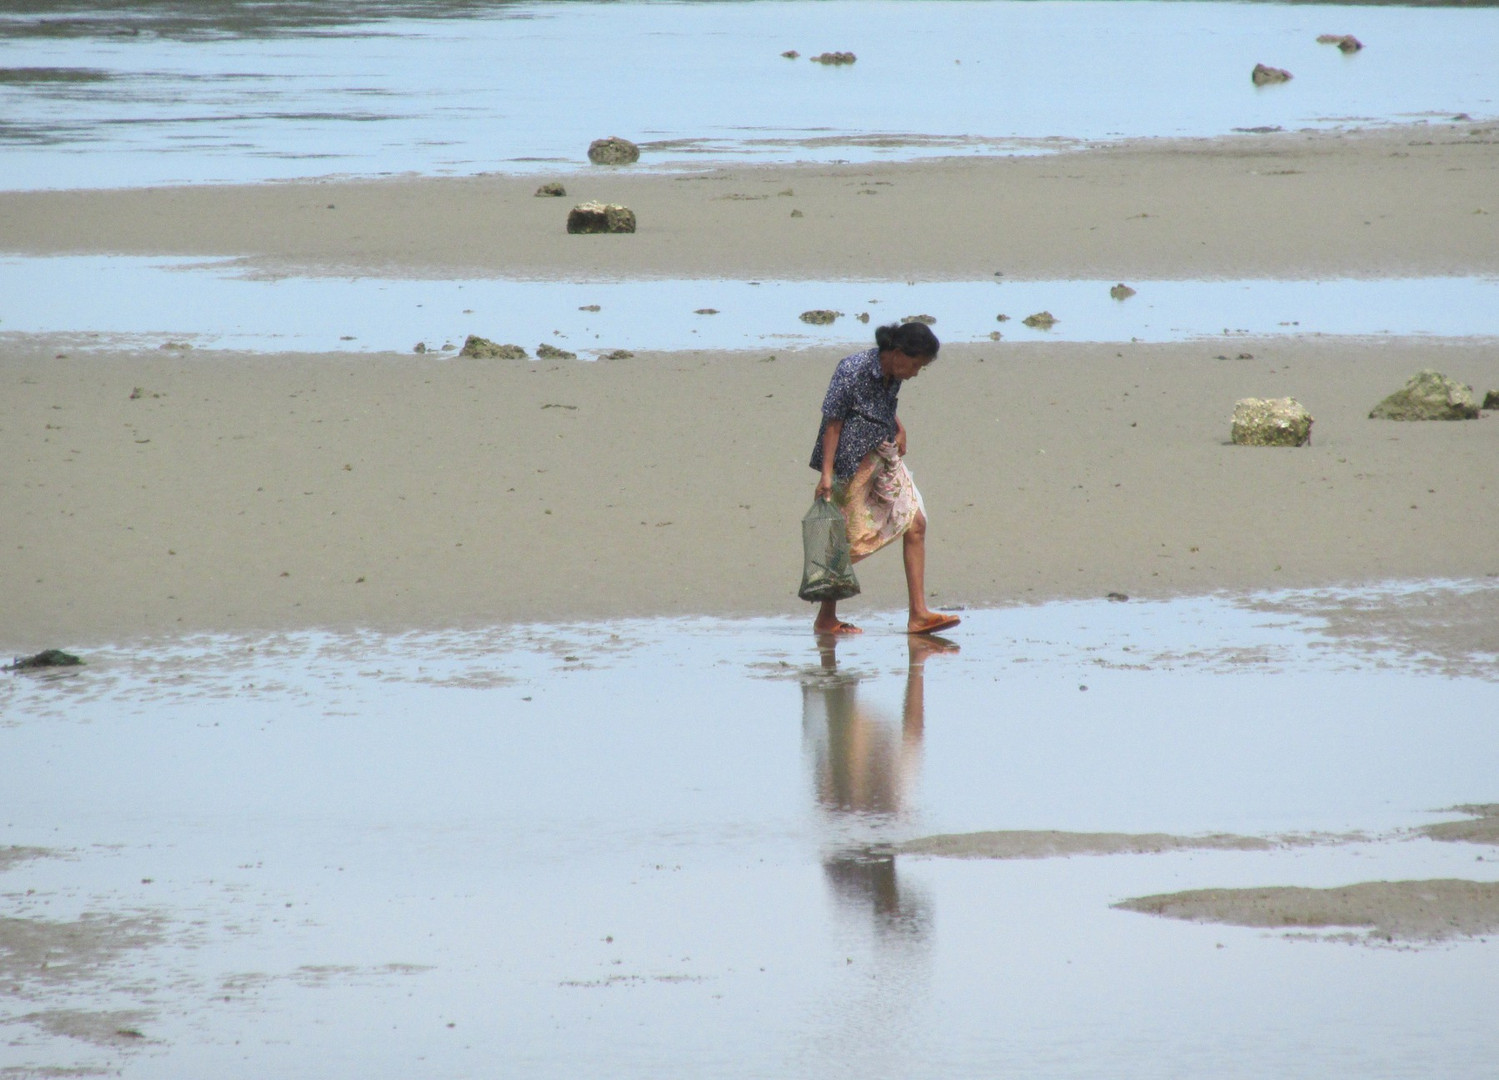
(1491, 400)
(551, 352)
(1428, 395)
(1121, 291)
(1041, 320)
(1347, 42)
(597, 217)
(477, 348)
(613, 151)
(819, 316)
(1263, 75)
(1272, 422)
(551, 190)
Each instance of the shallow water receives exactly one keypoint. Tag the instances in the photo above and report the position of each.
(615, 849)
(178, 93)
(217, 304)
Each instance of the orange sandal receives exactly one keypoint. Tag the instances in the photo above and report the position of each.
(936, 623)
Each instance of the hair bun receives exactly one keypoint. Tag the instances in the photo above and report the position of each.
(912, 338)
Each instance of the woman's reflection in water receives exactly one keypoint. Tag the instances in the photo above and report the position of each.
(864, 769)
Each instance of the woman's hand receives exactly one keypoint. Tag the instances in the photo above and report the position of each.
(900, 437)
(824, 487)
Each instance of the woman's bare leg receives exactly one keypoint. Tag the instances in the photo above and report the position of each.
(914, 550)
(827, 620)
(922, 620)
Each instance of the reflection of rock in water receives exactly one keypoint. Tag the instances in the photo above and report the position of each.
(868, 880)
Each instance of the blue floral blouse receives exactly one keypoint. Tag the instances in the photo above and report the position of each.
(864, 399)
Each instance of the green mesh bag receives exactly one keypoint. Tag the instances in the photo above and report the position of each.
(827, 573)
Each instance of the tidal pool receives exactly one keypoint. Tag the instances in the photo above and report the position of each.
(657, 846)
(220, 304)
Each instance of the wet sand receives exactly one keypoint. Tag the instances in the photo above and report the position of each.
(1052, 843)
(1410, 911)
(1415, 911)
(1417, 200)
(1480, 827)
(156, 493)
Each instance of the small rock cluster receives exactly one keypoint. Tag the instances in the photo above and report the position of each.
(819, 316)
(477, 348)
(834, 58)
(1427, 395)
(1263, 75)
(1347, 42)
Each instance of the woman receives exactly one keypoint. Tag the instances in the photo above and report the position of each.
(858, 455)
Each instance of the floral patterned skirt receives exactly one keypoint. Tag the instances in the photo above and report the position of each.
(880, 501)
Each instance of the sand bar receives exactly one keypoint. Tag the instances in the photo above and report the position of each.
(1390, 910)
(1407, 201)
(1052, 843)
(156, 493)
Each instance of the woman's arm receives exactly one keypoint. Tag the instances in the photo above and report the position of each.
(830, 437)
(900, 437)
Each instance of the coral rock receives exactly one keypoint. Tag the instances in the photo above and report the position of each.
(1273, 422)
(477, 348)
(597, 217)
(1262, 75)
(819, 316)
(1428, 395)
(613, 151)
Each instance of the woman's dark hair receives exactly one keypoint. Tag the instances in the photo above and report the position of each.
(912, 338)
